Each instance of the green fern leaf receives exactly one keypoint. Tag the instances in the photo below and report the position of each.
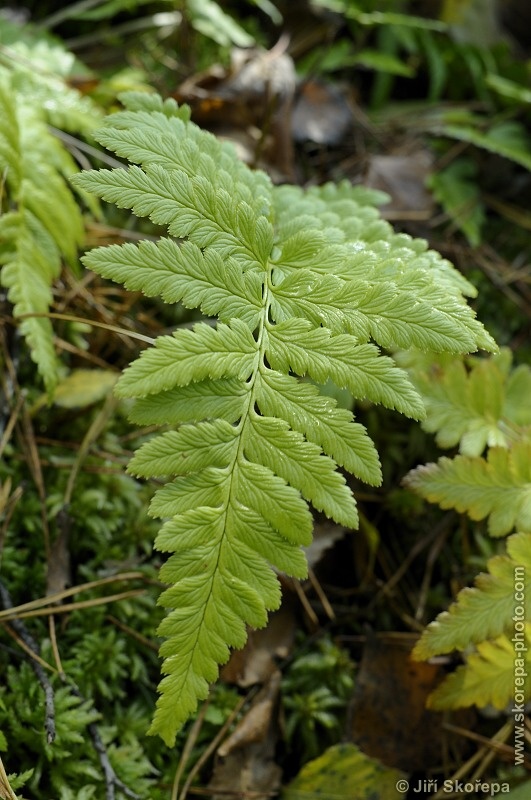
(206, 399)
(191, 355)
(40, 71)
(383, 310)
(26, 274)
(476, 407)
(288, 275)
(498, 487)
(190, 449)
(184, 273)
(42, 222)
(322, 423)
(297, 345)
(487, 678)
(485, 611)
(303, 464)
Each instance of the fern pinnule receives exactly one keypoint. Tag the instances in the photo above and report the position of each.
(485, 610)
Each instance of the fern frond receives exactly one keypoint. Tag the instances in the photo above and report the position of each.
(498, 487)
(321, 422)
(205, 399)
(485, 611)
(391, 314)
(190, 207)
(27, 273)
(42, 222)
(383, 285)
(40, 71)
(255, 447)
(486, 404)
(487, 678)
(304, 465)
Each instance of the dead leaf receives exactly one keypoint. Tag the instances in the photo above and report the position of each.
(256, 663)
(325, 535)
(245, 761)
(321, 114)
(254, 725)
(403, 178)
(389, 720)
(249, 104)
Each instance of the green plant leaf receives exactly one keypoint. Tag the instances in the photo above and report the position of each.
(456, 189)
(475, 404)
(43, 223)
(384, 62)
(207, 17)
(498, 487)
(255, 446)
(184, 273)
(344, 773)
(508, 88)
(507, 139)
(487, 678)
(485, 611)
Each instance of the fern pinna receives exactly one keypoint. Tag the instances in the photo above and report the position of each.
(305, 285)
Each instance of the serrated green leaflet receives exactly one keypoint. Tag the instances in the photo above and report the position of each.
(477, 404)
(487, 610)
(42, 223)
(183, 273)
(321, 422)
(480, 403)
(206, 399)
(497, 488)
(487, 678)
(289, 276)
(307, 350)
(191, 355)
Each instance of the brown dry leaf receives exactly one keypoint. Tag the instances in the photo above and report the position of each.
(325, 535)
(249, 104)
(388, 712)
(321, 114)
(245, 761)
(256, 662)
(403, 177)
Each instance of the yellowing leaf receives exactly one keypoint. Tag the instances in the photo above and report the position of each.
(488, 677)
(343, 772)
(486, 610)
(83, 387)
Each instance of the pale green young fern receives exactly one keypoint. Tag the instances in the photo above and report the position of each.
(481, 405)
(302, 287)
(40, 221)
